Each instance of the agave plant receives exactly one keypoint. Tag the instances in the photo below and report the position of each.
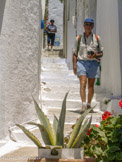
(53, 135)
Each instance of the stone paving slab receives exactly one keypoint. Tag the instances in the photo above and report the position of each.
(20, 155)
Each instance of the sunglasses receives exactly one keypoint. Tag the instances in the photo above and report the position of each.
(88, 24)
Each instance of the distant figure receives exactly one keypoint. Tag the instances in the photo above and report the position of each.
(51, 30)
(87, 50)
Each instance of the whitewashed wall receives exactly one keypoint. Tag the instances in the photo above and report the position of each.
(109, 26)
(71, 32)
(55, 8)
(85, 8)
(19, 62)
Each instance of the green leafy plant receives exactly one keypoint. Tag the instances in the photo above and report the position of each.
(62, 1)
(104, 142)
(53, 135)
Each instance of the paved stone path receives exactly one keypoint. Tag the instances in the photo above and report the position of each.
(56, 80)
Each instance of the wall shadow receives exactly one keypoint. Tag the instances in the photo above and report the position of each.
(2, 7)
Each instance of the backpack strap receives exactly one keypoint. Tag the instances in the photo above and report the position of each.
(79, 40)
(97, 37)
(99, 58)
(97, 40)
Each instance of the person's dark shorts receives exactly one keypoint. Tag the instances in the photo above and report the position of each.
(51, 38)
(90, 68)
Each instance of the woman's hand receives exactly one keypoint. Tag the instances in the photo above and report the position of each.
(74, 61)
(96, 55)
(92, 56)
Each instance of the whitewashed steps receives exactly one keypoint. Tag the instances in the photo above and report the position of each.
(55, 83)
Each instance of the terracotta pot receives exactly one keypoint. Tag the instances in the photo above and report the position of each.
(60, 160)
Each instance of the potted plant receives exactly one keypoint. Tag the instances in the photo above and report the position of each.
(104, 141)
(53, 135)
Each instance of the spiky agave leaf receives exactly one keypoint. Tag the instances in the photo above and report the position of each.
(44, 121)
(77, 127)
(60, 128)
(44, 132)
(30, 135)
(82, 133)
(55, 125)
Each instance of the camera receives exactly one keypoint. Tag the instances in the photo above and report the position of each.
(90, 52)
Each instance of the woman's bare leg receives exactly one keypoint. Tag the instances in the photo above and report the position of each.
(90, 89)
(83, 82)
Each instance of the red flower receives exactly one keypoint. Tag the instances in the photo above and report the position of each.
(118, 99)
(89, 131)
(120, 104)
(96, 125)
(106, 115)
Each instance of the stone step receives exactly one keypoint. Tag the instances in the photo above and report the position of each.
(56, 88)
(21, 137)
(60, 96)
(72, 116)
(53, 54)
(70, 120)
(56, 74)
(18, 135)
(54, 66)
(71, 105)
(54, 70)
(53, 60)
(60, 81)
(62, 85)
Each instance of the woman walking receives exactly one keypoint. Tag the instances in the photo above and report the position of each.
(85, 53)
(51, 29)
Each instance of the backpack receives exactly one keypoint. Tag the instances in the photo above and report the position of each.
(79, 40)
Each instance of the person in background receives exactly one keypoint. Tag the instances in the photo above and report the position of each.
(87, 50)
(51, 30)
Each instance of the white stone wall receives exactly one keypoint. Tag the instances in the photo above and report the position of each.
(71, 32)
(55, 9)
(85, 8)
(109, 26)
(19, 62)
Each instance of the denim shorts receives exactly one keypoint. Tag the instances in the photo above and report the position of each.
(89, 68)
(51, 38)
